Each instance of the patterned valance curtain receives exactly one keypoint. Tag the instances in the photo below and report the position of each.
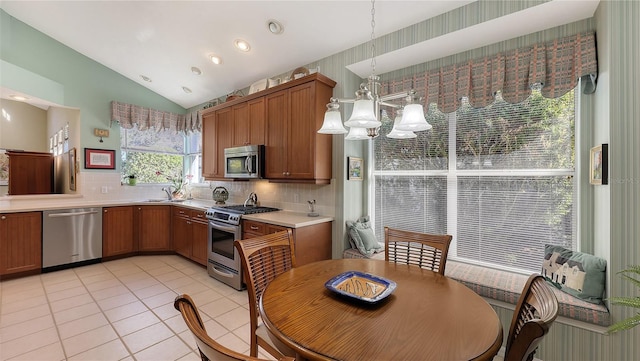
(129, 115)
(556, 66)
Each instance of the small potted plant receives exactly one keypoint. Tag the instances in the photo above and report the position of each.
(132, 179)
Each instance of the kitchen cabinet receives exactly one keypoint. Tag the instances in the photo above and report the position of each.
(30, 173)
(118, 231)
(217, 135)
(311, 243)
(190, 234)
(294, 150)
(153, 227)
(249, 123)
(20, 242)
(285, 118)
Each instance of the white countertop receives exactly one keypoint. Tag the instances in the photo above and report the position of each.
(281, 218)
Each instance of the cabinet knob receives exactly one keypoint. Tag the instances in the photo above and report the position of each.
(3, 217)
(105, 211)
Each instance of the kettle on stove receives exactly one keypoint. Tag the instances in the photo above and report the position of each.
(220, 194)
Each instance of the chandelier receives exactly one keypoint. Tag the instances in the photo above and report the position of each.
(365, 122)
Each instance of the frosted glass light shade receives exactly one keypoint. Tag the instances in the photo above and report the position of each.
(413, 119)
(356, 133)
(363, 115)
(400, 134)
(332, 123)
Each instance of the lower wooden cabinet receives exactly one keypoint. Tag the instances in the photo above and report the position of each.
(190, 232)
(311, 243)
(20, 242)
(117, 231)
(153, 227)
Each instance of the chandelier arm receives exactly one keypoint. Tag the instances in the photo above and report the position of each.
(350, 101)
(391, 105)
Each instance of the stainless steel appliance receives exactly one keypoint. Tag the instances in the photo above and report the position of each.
(71, 236)
(244, 162)
(225, 226)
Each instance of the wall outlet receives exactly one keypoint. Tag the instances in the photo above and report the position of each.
(296, 197)
(104, 189)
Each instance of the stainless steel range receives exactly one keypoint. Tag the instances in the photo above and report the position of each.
(225, 226)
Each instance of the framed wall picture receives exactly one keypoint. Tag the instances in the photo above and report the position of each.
(599, 165)
(72, 169)
(354, 168)
(99, 158)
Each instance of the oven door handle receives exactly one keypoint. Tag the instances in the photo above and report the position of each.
(223, 227)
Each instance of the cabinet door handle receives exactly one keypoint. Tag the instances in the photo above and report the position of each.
(254, 228)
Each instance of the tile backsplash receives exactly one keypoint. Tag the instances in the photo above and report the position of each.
(97, 186)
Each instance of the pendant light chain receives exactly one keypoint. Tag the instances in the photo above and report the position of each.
(373, 36)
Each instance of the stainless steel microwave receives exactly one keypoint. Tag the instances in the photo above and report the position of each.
(244, 162)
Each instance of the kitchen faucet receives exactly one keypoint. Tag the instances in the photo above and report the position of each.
(252, 199)
(168, 191)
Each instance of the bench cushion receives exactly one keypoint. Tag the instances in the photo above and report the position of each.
(506, 287)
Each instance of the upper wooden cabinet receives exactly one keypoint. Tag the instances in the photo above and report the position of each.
(248, 123)
(285, 119)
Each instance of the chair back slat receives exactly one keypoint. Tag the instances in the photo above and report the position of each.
(424, 250)
(536, 310)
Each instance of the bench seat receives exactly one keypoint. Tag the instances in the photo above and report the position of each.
(506, 287)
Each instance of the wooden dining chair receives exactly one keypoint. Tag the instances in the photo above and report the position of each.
(208, 347)
(263, 259)
(536, 310)
(421, 249)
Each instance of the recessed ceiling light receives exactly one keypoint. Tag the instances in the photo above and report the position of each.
(186, 90)
(18, 97)
(146, 78)
(196, 71)
(216, 59)
(275, 27)
(242, 45)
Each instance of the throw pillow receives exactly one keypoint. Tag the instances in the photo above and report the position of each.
(579, 274)
(362, 238)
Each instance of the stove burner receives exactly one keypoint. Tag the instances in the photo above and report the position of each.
(248, 209)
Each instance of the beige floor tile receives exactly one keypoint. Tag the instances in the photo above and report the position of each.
(128, 310)
(57, 287)
(88, 340)
(233, 319)
(28, 343)
(81, 325)
(151, 291)
(22, 294)
(135, 323)
(71, 302)
(26, 328)
(24, 315)
(109, 292)
(100, 285)
(217, 307)
(146, 337)
(171, 349)
(72, 292)
(160, 299)
(112, 350)
(165, 311)
(75, 313)
(234, 342)
(29, 302)
(117, 301)
(51, 352)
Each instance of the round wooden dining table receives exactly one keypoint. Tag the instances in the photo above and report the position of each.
(427, 317)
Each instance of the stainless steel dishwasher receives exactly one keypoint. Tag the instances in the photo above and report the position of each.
(71, 236)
